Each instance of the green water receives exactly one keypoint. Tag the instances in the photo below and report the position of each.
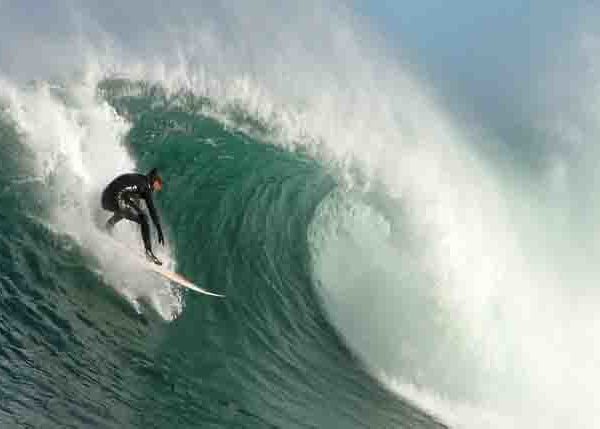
(74, 352)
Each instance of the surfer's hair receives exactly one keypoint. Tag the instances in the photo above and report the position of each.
(153, 176)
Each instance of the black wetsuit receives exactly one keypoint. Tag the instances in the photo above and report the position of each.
(122, 197)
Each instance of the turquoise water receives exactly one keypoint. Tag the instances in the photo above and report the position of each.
(76, 352)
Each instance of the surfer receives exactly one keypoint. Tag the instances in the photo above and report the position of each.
(122, 197)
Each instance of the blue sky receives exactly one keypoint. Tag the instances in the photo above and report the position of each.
(487, 57)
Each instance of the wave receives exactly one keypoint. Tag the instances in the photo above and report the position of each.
(365, 241)
(237, 211)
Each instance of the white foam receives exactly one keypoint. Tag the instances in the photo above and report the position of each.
(78, 145)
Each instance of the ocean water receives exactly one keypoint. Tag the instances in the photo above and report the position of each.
(90, 341)
(385, 266)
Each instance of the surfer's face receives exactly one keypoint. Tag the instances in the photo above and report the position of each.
(157, 185)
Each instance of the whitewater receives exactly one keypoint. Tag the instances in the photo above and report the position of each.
(386, 262)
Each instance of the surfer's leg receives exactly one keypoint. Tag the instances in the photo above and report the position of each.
(145, 232)
(133, 213)
(143, 221)
(110, 224)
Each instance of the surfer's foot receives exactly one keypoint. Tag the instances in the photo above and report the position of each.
(152, 258)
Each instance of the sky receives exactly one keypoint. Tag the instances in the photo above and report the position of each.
(488, 58)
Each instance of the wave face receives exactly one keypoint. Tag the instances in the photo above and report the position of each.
(83, 344)
(383, 260)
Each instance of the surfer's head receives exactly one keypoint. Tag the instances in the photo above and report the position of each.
(155, 180)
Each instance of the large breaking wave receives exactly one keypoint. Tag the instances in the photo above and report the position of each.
(366, 243)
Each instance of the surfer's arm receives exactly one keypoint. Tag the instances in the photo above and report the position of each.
(154, 216)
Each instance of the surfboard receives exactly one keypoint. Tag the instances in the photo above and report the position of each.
(162, 271)
(178, 278)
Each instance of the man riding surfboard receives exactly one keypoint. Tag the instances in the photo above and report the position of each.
(122, 197)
